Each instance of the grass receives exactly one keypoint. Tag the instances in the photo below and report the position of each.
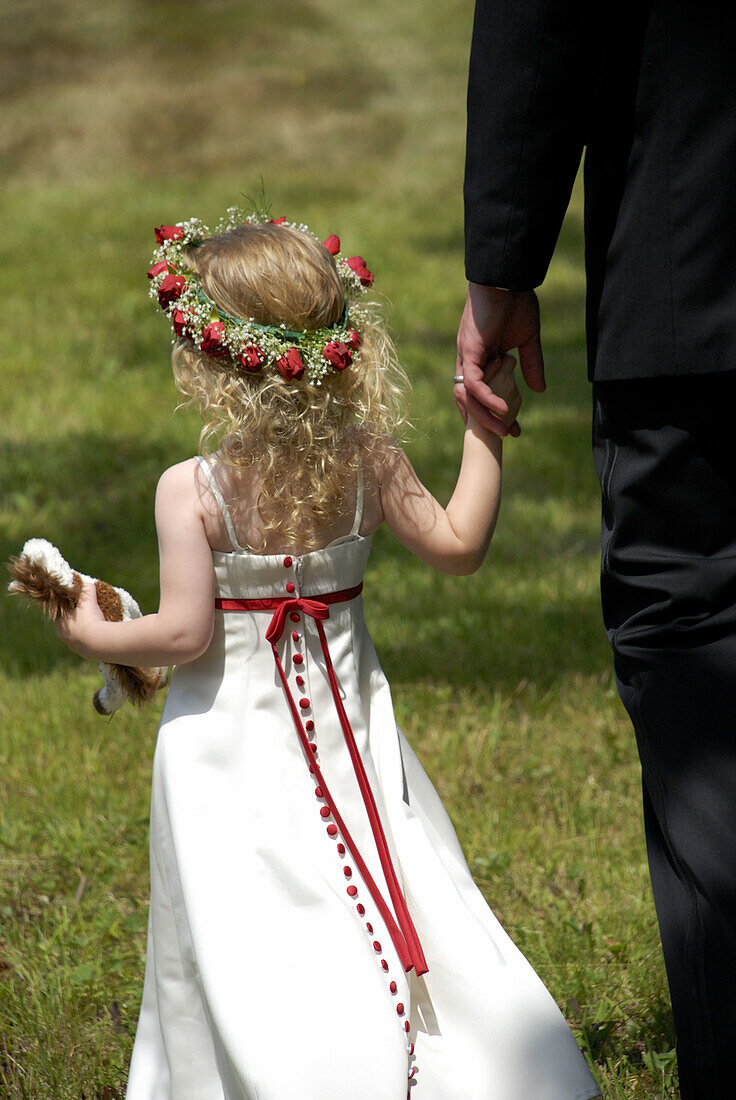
(124, 115)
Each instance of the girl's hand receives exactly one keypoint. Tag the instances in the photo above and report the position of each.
(74, 629)
(500, 374)
(498, 377)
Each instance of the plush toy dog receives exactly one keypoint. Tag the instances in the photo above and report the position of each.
(42, 574)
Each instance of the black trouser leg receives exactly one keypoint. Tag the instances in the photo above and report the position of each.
(667, 470)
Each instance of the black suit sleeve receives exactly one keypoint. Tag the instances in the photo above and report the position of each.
(529, 87)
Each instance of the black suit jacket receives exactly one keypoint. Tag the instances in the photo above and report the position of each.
(649, 90)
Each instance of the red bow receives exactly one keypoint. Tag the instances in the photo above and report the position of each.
(315, 608)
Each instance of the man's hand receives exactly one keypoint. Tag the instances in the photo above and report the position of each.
(493, 322)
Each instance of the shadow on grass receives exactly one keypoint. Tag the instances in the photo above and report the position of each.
(464, 634)
(646, 1043)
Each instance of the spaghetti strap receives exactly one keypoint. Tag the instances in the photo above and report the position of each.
(358, 503)
(357, 518)
(217, 494)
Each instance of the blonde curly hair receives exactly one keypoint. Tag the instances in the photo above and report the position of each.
(301, 440)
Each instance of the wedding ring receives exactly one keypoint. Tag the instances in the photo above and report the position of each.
(458, 378)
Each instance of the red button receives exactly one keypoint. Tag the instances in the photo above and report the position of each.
(411, 1048)
(298, 659)
(288, 562)
(304, 703)
(369, 926)
(400, 1009)
(300, 681)
(376, 946)
(414, 1068)
(309, 727)
(393, 987)
(290, 586)
(295, 636)
(341, 849)
(407, 1026)
(312, 746)
(294, 616)
(332, 830)
(318, 792)
(361, 910)
(352, 891)
(384, 964)
(325, 811)
(348, 872)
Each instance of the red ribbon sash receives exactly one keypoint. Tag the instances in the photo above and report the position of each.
(401, 927)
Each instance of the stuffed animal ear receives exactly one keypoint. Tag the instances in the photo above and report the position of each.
(137, 685)
(56, 598)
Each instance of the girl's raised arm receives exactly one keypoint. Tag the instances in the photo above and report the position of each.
(182, 627)
(455, 539)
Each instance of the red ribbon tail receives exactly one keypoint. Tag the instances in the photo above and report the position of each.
(388, 918)
(399, 926)
(416, 954)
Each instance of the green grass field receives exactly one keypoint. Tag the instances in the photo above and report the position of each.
(123, 115)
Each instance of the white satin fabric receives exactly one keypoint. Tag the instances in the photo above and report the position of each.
(262, 981)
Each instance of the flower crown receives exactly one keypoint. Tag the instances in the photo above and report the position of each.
(246, 344)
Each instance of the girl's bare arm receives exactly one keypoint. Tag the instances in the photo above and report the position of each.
(182, 627)
(454, 539)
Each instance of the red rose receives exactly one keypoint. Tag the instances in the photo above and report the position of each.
(250, 358)
(169, 233)
(213, 341)
(338, 354)
(157, 269)
(357, 264)
(291, 365)
(172, 286)
(277, 221)
(180, 321)
(332, 244)
(352, 339)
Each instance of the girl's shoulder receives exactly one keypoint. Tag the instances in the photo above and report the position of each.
(189, 488)
(179, 480)
(185, 486)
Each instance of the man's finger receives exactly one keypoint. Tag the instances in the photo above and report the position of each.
(483, 416)
(531, 362)
(481, 392)
(461, 401)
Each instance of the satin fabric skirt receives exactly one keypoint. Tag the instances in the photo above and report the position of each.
(263, 980)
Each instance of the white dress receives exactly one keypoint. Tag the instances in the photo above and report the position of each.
(274, 971)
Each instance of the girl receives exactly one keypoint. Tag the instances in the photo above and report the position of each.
(315, 932)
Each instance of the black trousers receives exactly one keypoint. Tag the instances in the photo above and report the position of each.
(665, 454)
